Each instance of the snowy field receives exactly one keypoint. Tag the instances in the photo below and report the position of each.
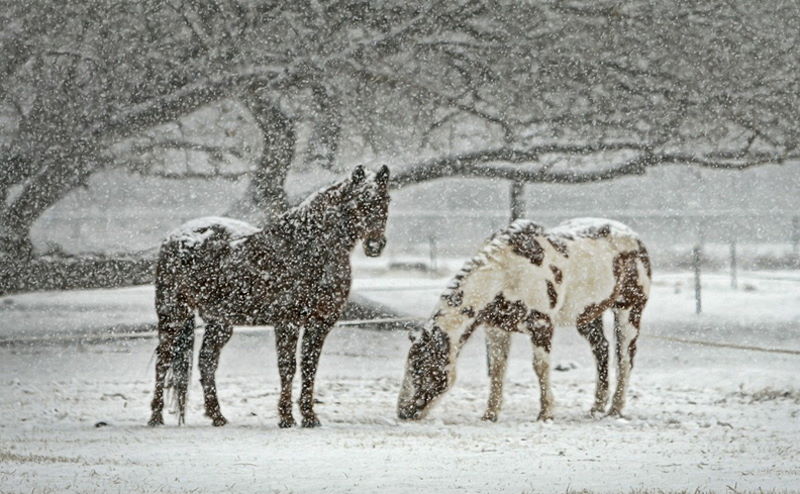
(74, 405)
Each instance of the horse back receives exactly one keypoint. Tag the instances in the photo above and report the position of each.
(605, 261)
(227, 269)
(192, 260)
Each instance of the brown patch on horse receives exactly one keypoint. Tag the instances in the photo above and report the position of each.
(508, 316)
(541, 328)
(593, 311)
(468, 311)
(551, 293)
(632, 348)
(503, 314)
(528, 247)
(468, 332)
(558, 244)
(558, 276)
(630, 294)
(644, 257)
(627, 293)
(593, 332)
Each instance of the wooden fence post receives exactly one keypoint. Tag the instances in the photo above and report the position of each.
(796, 239)
(433, 253)
(734, 283)
(517, 206)
(517, 200)
(696, 264)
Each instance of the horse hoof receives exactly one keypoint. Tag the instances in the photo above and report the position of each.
(615, 413)
(155, 420)
(545, 417)
(489, 417)
(596, 412)
(311, 422)
(219, 421)
(286, 423)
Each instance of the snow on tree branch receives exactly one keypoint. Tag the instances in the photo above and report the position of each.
(525, 165)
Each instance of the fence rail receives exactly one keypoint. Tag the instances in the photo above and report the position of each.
(454, 232)
(458, 232)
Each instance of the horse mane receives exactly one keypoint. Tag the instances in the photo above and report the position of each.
(497, 242)
(318, 206)
(314, 207)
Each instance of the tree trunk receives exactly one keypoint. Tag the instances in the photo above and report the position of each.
(326, 129)
(59, 175)
(266, 197)
(517, 200)
(55, 179)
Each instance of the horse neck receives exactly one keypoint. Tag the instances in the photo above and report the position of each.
(473, 288)
(326, 227)
(456, 324)
(458, 312)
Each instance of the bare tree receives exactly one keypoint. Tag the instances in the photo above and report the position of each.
(542, 91)
(573, 92)
(83, 76)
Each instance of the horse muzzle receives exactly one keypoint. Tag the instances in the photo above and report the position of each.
(412, 408)
(404, 413)
(374, 247)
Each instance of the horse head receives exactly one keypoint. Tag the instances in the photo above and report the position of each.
(428, 375)
(370, 208)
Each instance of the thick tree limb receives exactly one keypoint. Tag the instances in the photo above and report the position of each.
(168, 108)
(265, 197)
(498, 163)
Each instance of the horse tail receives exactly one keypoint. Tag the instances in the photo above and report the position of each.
(181, 366)
(176, 329)
(644, 258)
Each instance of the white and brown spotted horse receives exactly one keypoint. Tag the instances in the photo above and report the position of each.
(293, 274)
(529, 279)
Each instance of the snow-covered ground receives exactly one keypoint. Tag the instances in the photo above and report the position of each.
(698, 417)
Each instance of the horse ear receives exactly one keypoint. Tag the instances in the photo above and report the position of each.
(383, 175)
(358, 175)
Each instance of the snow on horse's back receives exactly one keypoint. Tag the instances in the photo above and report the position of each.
(198, 230)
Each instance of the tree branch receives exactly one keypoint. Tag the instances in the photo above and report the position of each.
(478, 164)
(172, 106)
(212, 150)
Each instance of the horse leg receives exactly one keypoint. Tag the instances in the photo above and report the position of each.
(313, 339)
(215, 337)
(593, 332)
(542, 337)
(626, 333)
(497, 344)
(286, 343)
(182, 354)
(166, 334)
(170, 326)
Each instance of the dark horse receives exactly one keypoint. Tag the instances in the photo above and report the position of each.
(293, 274)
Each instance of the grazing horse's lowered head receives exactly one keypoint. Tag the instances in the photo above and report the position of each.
(430, 371)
